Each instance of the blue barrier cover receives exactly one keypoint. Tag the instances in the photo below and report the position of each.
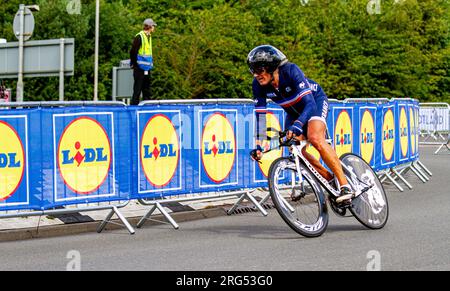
(341, 125)
(60, 156)
(388, 146)
(16, 183)
(365, 132)
(85, 155)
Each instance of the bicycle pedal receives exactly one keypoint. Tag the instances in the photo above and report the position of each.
(345, 203)
(296, 198)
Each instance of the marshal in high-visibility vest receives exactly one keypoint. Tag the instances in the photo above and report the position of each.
(141, 60)
(145, 54)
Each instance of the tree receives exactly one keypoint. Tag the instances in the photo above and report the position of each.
(200, 46)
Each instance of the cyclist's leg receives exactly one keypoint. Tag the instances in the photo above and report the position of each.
(311, 159)
(317, 165)
(316, 136)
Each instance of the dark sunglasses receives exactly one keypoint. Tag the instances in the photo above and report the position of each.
(257, 71)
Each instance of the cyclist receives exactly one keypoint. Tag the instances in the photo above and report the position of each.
(285, 84)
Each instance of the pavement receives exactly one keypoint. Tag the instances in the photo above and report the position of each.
(31, 227)
(44, 226)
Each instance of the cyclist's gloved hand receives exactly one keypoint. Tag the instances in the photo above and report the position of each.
(257, 154)
(296, 129)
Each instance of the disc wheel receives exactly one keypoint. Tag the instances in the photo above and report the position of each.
(371, 207)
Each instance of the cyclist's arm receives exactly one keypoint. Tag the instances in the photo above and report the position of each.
(308, 109)
(307, 106)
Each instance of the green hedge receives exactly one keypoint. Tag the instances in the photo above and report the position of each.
(200, 47)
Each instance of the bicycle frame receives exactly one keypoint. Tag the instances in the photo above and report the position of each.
(296, 151)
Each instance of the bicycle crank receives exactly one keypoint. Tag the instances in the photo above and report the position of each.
(297, 195)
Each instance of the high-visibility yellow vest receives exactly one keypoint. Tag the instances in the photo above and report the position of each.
(145, 55)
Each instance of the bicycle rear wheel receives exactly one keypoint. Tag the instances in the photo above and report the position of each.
(301, 205)
(371, 207)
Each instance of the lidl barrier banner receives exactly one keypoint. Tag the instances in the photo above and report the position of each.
(342, 128)
(389, 141)
(384, 135)
(159, 154)
(218, 151)
(83, 153)
(366, 127)
(61, 156)
(14, 166)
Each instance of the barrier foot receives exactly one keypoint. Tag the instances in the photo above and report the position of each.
(393, 181)
(424, 180)
(250, 198)
(145, 217)
(264, 200)
(122, 218)
(254, 201)
(382, 177)
(425, 168)
(161, 209)
(439, 149)
(233, 208)
(402, 178)
(167, 216)
(419, 169)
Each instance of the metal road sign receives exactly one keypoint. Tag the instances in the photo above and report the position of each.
(41, 58)
(122, 82)
(28, 24)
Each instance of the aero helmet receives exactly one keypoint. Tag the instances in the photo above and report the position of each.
(265, 56)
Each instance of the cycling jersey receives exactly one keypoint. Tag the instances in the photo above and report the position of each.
(295, 95)
(321, 100)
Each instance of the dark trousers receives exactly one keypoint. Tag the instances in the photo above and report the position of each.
(141, 84)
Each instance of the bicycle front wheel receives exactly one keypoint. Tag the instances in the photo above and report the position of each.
(371, 207)
(301, 204)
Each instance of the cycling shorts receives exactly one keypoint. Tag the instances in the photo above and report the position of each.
(320, 114)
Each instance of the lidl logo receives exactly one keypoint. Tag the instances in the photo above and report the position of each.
(218, 147)
(84, 155)
(159, 150)
(267, 159)
(388, 142)
(12, 160)
(413, 129)
(404, 136)
(343, 136)
(367, 138)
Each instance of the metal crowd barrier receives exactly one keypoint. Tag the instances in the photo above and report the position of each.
(392, 171)
(243, 194)
(434, 122)
(74, 208)
(398, 171)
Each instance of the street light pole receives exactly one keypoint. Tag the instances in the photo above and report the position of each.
(97, 24)
(23, 32)
(19, 89)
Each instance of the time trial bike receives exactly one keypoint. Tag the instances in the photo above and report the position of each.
(300, 193)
